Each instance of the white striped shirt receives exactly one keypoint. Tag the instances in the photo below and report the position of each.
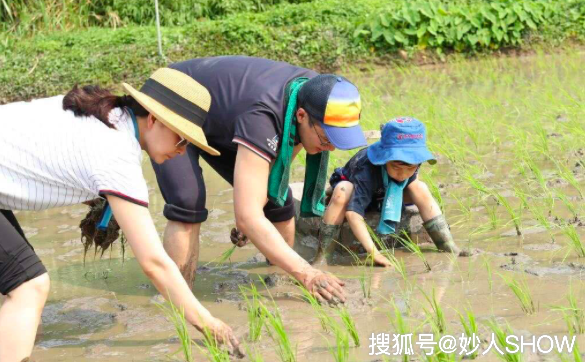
(50, 158)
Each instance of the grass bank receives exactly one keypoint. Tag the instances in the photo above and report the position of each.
(323, 35)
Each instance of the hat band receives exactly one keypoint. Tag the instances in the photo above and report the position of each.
(174, 102)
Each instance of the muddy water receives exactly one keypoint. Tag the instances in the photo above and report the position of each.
(106, 309)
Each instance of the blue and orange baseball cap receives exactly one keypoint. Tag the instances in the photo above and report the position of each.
(335, 102)
(403, 139)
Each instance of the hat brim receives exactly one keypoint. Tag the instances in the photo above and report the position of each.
(380, 155)
(345, 138)
(182, 126)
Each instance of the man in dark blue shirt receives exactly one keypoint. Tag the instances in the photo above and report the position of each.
(245, 124)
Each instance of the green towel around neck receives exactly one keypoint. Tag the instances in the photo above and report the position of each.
(313, 200)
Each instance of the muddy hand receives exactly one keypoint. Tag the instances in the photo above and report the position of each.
(238, 238)
(325, 287)
(223, 334)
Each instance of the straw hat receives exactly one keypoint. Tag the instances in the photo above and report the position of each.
(179, 102)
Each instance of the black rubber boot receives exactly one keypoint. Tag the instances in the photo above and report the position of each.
(438, 230)
(328, 238)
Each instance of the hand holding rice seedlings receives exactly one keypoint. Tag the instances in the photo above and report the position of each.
(253, 307)
(500, 335)
(177, 317)
(521, 291)
(349, 324)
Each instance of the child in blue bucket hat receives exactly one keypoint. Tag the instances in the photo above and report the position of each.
(383, 176)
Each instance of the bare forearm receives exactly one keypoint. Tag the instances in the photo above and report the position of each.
(360, 231)
(167, 279)
(268, 240)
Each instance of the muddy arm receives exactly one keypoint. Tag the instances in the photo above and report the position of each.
(358, 227)
(250, 190)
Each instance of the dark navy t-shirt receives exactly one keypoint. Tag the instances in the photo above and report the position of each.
(247, 100)
(368, 184)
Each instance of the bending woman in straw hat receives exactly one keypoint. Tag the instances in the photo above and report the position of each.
(88, 144)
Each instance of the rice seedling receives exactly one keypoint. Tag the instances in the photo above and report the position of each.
(436, 314)
(568, 204)
(396, 263)
(254, 311)
(324, 319)
(277, 332)
(400, 325)
(573, 315)
(488, 268)
(515, 216)
(177, 317)
(254, 356)
(224, 256)
(365, 277)
(521, 291)
(414, 248)
(575, 243)
(340, 352)
(492, 214)
(214, 351)
(470, 328)
(500, 335)
(349, 324)
(568, 176)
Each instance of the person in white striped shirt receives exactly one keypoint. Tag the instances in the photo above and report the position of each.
(88, 144)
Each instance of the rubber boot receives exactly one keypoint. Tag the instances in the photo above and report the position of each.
(438, 230)
(328, 237)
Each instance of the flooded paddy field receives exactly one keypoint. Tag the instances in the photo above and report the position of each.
(509, 135)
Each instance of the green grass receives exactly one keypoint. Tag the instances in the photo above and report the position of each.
(214, 351)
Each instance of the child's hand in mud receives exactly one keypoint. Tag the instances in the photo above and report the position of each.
(238, 238)
(223, 334)
(325, 287)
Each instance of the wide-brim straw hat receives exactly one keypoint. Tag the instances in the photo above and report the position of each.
(179, 102)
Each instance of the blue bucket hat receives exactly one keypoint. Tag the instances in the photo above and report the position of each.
(403, 139)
